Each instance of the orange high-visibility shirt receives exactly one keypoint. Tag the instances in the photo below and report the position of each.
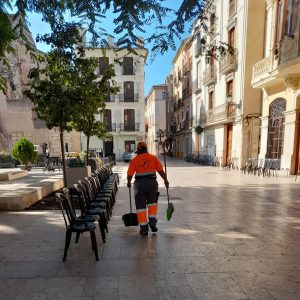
(144, 165)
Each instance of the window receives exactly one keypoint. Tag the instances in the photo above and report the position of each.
(276, 128)
(107, 119)
(229, 90)
(278, 31)
(211, 100)
(66, 147)
(128, 91)
(128, 65)
(129, 120)
(231, 37)
(198, 83)
(103, 64)
(198, 44)
(292, 17)
(163, 95)
(129, 146)
(107, 97)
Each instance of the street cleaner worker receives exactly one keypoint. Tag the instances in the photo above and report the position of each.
(144, 166)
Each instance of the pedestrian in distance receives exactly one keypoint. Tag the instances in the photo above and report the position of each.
(144, 167)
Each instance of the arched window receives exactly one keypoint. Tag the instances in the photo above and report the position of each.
(276, 128)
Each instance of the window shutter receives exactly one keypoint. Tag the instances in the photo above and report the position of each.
(128, 65)
(103, 64)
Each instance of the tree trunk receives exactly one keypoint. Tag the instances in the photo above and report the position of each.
(87, 149)
(61, 133)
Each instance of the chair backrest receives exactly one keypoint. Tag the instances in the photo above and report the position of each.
(79, 192)
(66, 209)
(87, 189)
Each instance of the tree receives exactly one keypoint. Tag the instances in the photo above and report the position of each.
(131, 21)
(91, 93)
(53, 85)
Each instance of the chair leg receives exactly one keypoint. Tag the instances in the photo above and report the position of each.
(94, 244)
(67, 243)
(77, 237)
(102, 225)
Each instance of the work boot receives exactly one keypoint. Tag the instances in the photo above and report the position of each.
(144, 229)
(153, 228)
(152, 224)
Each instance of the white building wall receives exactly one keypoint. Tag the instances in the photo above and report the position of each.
(117, 107)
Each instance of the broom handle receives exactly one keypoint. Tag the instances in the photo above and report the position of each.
(165, 163)
(130, 201)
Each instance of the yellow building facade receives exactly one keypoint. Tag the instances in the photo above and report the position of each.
(277, 74)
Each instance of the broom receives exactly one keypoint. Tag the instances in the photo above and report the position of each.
(170, 208)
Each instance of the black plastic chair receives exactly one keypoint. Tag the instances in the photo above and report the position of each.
(101, 216)
(75, 225)
(94, 209)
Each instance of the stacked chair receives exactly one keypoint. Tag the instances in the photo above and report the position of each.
(95, 197)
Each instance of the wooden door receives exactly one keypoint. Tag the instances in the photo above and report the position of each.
(107, 119)
(128, 66)
(128, 91)
(229, 141)
(129, 120)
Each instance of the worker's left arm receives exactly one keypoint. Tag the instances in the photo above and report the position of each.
(130, 173)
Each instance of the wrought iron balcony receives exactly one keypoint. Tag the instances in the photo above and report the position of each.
(129, 127)
(111, 127)
(209, 75)
(228, 63)
(129, 98)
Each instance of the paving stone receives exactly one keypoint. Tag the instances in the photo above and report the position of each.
(232, 236)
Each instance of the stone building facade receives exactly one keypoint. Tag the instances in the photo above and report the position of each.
(16, 116)
(155, 115)
(277, 75)
(224, 102)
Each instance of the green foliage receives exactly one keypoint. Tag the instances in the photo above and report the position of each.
(24, 151)
(76, 162)
(198, 129)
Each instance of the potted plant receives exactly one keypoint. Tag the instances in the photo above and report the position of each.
(24, 152)
(198, 129)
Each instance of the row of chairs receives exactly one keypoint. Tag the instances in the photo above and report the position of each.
(203, 159)
(262, 166)
(95, 197)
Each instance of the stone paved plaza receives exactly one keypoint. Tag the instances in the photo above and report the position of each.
(232, 236)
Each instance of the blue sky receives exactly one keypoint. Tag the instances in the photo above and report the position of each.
(156, 71)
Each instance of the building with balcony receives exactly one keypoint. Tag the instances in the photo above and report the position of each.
(155, 115)
(124, 112)
(224, 103)
(182, 99)
(277, 74)
(170, 117)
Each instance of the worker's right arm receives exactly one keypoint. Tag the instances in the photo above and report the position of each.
(164, 177)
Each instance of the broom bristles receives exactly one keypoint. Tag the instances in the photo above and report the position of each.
(170, 211)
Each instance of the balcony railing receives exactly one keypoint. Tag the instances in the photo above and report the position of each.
(130, 127)
(111, 127)
(232, 8)
(228, 63)
(186, 93)
(210, 75)
(133, 98)
(178, 104)
(262, 69)
(220, 113)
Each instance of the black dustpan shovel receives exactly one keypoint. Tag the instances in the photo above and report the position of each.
(131, 218)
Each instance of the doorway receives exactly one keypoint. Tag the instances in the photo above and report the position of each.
(297, 165)
(229, 142)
